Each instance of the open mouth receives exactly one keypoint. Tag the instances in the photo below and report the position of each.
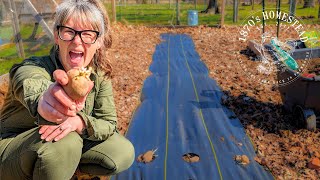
(76, 56)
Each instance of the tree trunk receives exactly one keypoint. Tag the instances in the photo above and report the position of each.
(212, 7)
(252, 3)
(292, 7)
(308, 3)
(142, 1)
(222, 12)
(319, 9)
(235, 10)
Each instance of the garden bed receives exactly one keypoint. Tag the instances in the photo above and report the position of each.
(280, 146)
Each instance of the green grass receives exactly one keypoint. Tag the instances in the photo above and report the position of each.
(9, 56)
(5, 32)
(144, 14)
(30, 49)
(5, 65)
(314, 37)
(162, 14)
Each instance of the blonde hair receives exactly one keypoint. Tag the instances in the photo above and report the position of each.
(89, 12)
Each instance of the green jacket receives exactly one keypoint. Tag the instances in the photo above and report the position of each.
(31, 78)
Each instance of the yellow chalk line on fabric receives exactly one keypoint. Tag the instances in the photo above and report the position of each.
(167, 113)
(201, 115)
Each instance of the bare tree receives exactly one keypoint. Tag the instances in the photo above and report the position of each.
(308, 3)
(319, 9)
(212, 7)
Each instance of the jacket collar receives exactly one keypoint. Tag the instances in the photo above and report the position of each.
(54, 56)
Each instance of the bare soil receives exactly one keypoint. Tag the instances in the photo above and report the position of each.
(281, 147)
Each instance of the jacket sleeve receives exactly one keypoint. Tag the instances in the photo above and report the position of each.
(28, 84)
(102, 121)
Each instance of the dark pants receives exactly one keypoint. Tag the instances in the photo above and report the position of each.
(26, 156)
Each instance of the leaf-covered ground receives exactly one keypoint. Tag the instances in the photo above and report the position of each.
(281, 147)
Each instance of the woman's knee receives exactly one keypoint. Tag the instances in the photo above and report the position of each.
(44, 156)
(59, 160)
(68, 148)
(125, 156)
(109, 157)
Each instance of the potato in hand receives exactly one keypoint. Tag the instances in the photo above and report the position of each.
(78, 82)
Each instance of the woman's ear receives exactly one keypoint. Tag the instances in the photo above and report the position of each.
(99, 41)
(55, 36)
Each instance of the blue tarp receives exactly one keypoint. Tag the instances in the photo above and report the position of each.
(181, 112)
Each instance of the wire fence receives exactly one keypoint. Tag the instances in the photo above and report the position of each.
(26, 25)
(25, 30)
(169, 12)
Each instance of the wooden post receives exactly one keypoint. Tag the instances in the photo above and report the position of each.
(178, 12)
(39, 19)
(278, 19)
(113, 4)
(319, 9)
(222, 12)
(16, 28)
(292, 7)
(263, 22)
(235, 10)
(252, 3)
(34, 31)
(2, 11)
(55, 3)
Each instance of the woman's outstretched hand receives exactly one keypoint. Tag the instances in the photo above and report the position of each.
(82, 77)
(57, 132)
(56, 106)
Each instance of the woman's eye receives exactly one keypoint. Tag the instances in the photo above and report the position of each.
(69, 31)
(88, 34)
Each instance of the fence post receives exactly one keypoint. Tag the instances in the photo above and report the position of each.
(39, 19)
(278, 19)
(16, 28)
(55, 3)
(252, 3)
(292, 7)
(235, 10)
(113, 4)
(263, 9)
(319, 9)
(178, 12)
(222, 12)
